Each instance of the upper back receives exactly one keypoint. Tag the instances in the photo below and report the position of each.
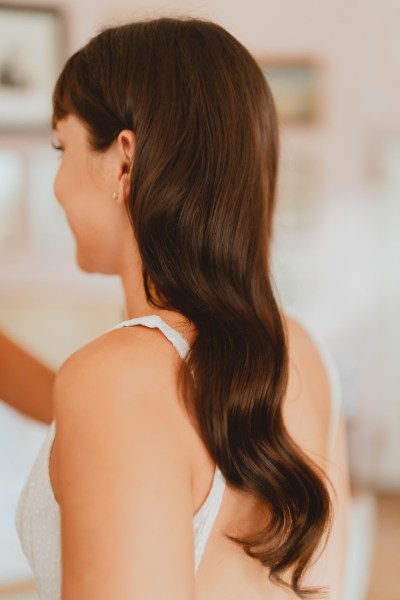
(308, 413)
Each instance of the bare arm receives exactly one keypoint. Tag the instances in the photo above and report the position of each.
(124, 481)
(25, 383)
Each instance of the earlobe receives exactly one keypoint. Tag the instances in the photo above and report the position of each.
(125, 187)
(122, 194)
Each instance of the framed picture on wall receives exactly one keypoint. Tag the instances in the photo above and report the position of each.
(296, 87)
(32, 49)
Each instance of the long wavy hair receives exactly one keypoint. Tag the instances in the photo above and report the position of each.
(201, 203)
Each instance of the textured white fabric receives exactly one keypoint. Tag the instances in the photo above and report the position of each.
(37, 517)
(38, 525)
(154, 321)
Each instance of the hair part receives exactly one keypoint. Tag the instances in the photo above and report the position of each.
(201, 204)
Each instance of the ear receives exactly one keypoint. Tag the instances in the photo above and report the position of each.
(125, 147)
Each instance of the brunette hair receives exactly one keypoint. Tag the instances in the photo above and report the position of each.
(201, 203)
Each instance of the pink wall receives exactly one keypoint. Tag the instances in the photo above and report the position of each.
(351, 38)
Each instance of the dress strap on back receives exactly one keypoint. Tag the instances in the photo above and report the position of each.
(154, 321)
(205, 517)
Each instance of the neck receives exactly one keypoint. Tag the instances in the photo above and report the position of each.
(136, 304)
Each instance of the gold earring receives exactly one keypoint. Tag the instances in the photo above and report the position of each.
(115, 196)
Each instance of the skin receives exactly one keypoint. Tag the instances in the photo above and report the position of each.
(26, 383)
(126, 467)
(106, 398)
(84, 187)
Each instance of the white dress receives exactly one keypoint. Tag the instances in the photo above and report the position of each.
(37, 516)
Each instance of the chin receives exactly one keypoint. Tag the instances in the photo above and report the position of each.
(92, 266)
(84, 264)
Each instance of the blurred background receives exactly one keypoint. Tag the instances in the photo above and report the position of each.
(334, 68)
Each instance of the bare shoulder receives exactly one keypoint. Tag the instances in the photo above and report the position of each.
(308, 403)
(124, 479)
(130, 353)
(123, 372)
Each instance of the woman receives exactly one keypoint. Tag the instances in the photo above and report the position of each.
(192, 451)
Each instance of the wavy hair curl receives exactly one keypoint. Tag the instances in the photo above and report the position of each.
(201, 204)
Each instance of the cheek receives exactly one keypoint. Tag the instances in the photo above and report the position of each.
(66, 181)
(62, 188)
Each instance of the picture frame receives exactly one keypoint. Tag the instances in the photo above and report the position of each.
(296, 86)
(32, 48)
